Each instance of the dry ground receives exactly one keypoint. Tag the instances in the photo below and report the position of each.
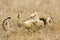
(45, 8)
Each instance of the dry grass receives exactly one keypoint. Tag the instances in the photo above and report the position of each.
(44, 8)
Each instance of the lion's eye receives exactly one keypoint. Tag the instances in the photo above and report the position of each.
(49, 21)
